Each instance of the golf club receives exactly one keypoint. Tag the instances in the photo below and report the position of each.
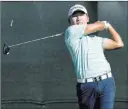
(6, 47)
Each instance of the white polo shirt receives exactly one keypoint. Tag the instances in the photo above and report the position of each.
(86, 52)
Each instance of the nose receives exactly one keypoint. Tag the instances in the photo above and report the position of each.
(78, 18)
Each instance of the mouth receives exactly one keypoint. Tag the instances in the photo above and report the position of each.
(79, 23)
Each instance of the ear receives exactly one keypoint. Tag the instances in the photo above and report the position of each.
(88, 19)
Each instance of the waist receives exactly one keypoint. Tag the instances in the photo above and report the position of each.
(94, 79)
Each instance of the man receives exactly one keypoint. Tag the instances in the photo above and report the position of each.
(95, 83)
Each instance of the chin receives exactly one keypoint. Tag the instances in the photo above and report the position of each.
(80, 23)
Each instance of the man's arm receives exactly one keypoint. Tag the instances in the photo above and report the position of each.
(95, 27)
(114, 43)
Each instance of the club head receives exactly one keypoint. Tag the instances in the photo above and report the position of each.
(6, 49)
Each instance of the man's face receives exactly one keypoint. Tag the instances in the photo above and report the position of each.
(78, 18)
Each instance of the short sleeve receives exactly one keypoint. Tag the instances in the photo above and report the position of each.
(101, 40)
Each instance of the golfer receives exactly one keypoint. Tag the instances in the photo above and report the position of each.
(95, 82)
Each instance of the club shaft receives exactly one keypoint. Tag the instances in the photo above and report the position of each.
(37, 40)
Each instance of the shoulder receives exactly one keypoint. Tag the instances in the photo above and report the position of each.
(74, 27)
(75, 30)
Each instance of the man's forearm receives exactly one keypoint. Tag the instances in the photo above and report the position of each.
(115, 36)
(95, 27)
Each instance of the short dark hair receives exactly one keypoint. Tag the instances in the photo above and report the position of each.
(69, 20)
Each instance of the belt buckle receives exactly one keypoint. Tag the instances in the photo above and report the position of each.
(97, 78)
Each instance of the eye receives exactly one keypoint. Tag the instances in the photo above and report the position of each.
(74, 15)
(77, 14)
(81, 14)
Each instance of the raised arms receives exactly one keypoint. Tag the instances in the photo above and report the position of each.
(113, 43)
